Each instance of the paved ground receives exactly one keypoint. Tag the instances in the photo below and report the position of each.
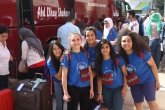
(128, 104)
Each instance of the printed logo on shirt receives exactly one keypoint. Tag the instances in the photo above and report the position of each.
(130, 69)
(81, 66)
(112, 73)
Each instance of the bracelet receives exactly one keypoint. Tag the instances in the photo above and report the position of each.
(98, 94)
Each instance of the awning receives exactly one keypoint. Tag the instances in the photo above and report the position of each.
(139, 5)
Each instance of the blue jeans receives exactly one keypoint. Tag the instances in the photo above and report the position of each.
(112, 98)
(155, 50)
(58, 95)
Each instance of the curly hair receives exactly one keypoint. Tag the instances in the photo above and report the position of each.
(54, 60)
(138, 44)
(99, 56)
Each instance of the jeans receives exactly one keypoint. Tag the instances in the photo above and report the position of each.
(58, 95)
(155, 50)
(112, 98)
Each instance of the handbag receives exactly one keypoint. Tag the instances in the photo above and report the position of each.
(11, 65)
(98, 106)
(23, 67)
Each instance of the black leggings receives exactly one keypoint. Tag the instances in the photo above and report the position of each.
(32, 71)
(3, 81)
(79, 94)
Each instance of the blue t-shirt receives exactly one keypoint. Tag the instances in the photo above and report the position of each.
(92, 55)
(112, 34)
(140, 67)
(52, 70)
(78, 61)
(117, 74)
(99, 34)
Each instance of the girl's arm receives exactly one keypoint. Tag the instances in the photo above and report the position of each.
(66, 96)
(152, 64)
(11, 58)
(99, 89)
(91, 82)
(24, 50)
(124, 90)
(59, 74)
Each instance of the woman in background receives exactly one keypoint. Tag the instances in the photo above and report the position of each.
(5, 57)
(32, 52)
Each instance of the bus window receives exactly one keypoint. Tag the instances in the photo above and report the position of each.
(123, 9)
(26, 14)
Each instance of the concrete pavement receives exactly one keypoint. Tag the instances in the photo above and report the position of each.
(128, 103)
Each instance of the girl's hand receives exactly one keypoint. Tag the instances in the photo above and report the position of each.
(124, 92)
(157, 85)
(99, 98)
(91, 94)
(66, 98)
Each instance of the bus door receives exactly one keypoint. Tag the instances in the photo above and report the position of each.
(25, 13)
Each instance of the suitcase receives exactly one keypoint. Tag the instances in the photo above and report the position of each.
(13, 83)
(6, 100)
(39, 99)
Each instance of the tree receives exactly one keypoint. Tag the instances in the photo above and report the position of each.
(159, 4)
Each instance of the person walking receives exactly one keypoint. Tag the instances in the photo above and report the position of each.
(5, 57)
(153, 29)
(32, 52)
(141, 68)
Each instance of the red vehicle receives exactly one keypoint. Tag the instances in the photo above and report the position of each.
(44, 17)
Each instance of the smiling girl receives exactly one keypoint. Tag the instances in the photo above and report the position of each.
(111, 71)
(139, 62)
(53, 63)
(77, 78)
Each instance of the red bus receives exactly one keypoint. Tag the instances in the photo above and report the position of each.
(44, 17)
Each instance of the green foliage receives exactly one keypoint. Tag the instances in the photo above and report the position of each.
(159, 4)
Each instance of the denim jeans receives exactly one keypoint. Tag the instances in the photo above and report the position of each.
(112, 98)
(58, 95)
(155, 50)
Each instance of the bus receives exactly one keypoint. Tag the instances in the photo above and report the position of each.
(44, 17)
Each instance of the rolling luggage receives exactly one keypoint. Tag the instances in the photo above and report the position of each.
(39, 99)
(13, 83)
(6, 100)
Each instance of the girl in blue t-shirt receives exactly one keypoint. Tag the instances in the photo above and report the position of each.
(91, 47)
(111, 71)
(139, 62)
(77, 78)
(53, 63)
(99, 30)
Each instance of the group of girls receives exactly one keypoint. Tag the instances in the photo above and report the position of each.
(94, 70)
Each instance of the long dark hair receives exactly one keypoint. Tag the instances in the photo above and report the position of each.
(99, 57)
(91, 28)
(98, 26)
(54, 60)
(138, 44)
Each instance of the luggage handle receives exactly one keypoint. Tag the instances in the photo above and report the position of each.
(38, 74)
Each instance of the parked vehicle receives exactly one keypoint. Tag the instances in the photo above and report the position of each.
(44, 17)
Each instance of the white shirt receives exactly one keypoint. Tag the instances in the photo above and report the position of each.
(135, 25)
(64, 31)
(31, 56)
(4, 59)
